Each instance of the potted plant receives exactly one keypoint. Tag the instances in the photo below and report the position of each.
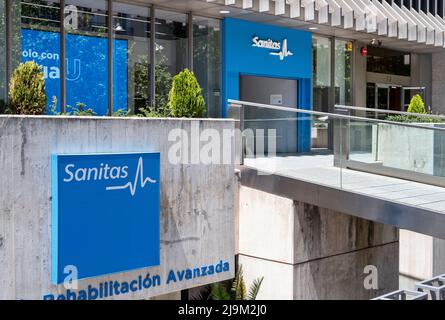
(27, 90)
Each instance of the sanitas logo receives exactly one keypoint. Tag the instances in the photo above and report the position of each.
(107, 172)
(273, 45)
(267, 44)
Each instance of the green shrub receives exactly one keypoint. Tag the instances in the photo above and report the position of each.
(27, 90)
(185, 98)
(417, 105)
(150, 112)
(414, 119)
(121, 113)
(80, 110)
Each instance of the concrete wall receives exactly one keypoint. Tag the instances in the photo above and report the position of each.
(307, 252)
(422, 76)
(438, 82)
(197, 201)
(421, 257)
(406, 148)
(359, 76)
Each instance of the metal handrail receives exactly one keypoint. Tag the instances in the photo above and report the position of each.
(238, 103)
(424, 115)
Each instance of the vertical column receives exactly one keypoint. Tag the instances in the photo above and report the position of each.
(190, 42)
(8, 9)
(62, 58)
(152, 56)
(110, 58)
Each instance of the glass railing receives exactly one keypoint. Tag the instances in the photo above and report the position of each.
(278, 140)
(413, 147)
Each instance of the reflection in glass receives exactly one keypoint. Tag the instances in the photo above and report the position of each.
(343, 72)
(207, 62)
(131, 25)
(171, 51)
(3, 86)
(382, 60)
(87, 55)
(321, 50)
(40, 42)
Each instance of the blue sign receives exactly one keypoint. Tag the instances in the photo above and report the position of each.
(86, 68)
(105, 213)
(263, 50)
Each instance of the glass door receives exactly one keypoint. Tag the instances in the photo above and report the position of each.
(382, 100)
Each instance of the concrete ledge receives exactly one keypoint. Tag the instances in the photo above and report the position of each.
(370, 208)
(197, 201)
(339, 277)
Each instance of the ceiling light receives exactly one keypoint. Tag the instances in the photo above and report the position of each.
(313, 28)
(224, 11)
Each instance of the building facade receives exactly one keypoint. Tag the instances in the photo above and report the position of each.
(115, 56)
(119, 57)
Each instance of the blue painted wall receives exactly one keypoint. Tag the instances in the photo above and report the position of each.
(241, 58)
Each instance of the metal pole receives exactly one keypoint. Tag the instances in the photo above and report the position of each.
(190, 41)
(152, 55)
(8, 15)
(62, 58)
(110, 58)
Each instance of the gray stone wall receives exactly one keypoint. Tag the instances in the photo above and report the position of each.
(197, 201)
(307, 252)
(438, 85)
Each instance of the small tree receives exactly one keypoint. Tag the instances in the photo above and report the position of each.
(236, 289)
(27, 90)
(416, 105)
(185, 98)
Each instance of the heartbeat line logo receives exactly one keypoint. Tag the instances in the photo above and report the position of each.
(139, 178)
(284, 53)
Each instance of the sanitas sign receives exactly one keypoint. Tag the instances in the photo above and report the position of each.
(105, 213)
(279, 49)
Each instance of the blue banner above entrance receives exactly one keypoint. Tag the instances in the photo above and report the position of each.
(105, 214)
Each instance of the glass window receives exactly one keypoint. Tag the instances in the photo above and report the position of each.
(131, 46)
(321, 55)
(171, 51)
(3, 82)
(343, 72)
(40, 41)
(87, 55)
(207, 62)
(382, 60)
(321, 48)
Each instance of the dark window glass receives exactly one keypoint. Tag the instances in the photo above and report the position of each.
(207, 62)
(388, 62)
(171, 51)
(131, 25)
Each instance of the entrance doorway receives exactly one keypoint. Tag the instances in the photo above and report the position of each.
(391, 97)
(273, 91)
(384, 97)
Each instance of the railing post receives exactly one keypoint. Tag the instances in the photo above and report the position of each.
(341, 137)
(236, 112)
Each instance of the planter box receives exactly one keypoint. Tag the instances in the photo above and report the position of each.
(412, 149)
(320, 137)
